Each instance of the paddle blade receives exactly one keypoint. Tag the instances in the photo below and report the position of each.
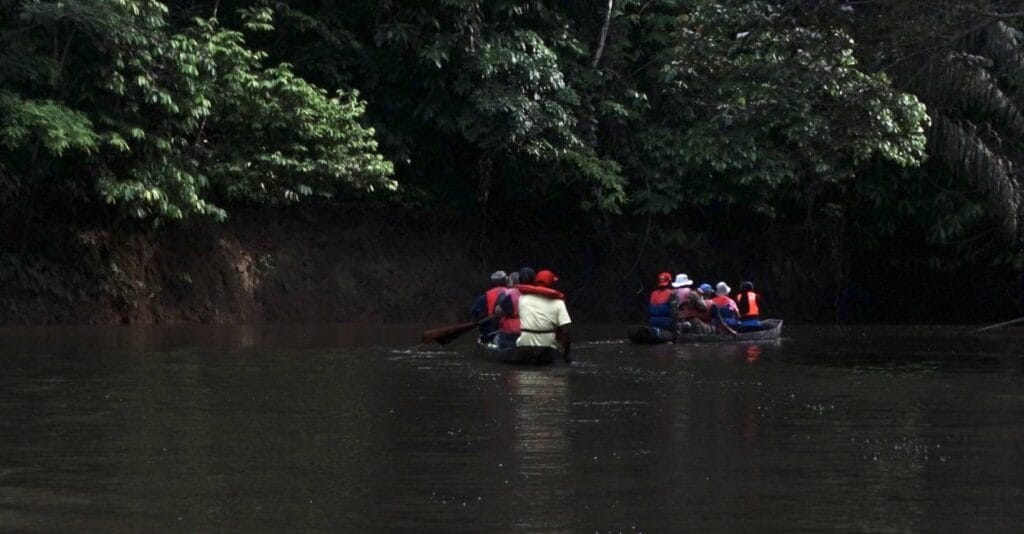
(447, 334)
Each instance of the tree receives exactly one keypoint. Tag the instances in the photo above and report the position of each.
(107, 99)
(964, 60)
(756, 107)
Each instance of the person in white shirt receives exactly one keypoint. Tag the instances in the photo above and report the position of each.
(543, 316)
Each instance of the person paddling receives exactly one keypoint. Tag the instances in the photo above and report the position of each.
(543, 317)
(484, 305)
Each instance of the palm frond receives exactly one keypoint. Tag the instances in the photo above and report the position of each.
(968, 155)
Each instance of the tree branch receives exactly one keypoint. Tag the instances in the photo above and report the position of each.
(604, 33)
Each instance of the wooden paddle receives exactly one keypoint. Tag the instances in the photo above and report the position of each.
(993, 327)
(447, 334)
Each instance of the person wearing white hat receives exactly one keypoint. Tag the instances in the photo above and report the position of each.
(682, 290)
(725, 308)
(694, 315)
(682, 281)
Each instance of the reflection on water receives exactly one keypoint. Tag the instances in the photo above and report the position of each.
(327, 428)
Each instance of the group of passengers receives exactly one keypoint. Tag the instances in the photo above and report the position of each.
(523, 310)
(680, 308)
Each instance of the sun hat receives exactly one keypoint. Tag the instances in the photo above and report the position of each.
(499, 278)
(722, 289)
(664, 279)
(706, 289)
(545, 278)
(682, 281)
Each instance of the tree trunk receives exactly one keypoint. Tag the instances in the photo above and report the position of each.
(604, 33)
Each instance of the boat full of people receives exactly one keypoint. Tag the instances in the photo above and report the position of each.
(678, 312)
(646, 335)
(523, 319)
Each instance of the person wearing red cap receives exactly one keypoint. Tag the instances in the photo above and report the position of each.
(662, 305)
(544, 320)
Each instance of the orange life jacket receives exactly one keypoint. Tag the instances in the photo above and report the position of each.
(748, 303)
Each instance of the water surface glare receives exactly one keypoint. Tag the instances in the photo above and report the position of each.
(355, 428)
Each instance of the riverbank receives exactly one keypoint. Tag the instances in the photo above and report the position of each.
(373, 263)
(310, 265)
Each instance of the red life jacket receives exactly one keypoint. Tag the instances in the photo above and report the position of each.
(509, 324)
(660, 296)
(727, 309)
(723, 301)
(492, 295)
(540, 290)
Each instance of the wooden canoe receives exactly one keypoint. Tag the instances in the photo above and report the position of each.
(646, 335)
(771, 329)
(649, 335)
(519, 355)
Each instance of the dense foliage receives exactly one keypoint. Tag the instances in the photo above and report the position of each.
(107, 99)
(827, 130)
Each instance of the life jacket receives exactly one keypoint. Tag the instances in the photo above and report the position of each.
(659, 310)
(509, 324)
(540, 290)
(492, 295)
(748, 303)
(726, 307)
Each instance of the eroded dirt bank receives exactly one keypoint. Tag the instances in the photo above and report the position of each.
(372, 264)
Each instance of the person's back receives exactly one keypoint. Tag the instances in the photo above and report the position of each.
(749, 304)
(539, 317)
(693, 306)
(485, 304)
(725, 308)
(682, 291)
(510, 325)
(706, 294)
(660, 312)
(543, 316)
(696, 317)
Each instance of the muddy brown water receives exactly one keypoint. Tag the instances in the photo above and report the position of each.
(356, 428)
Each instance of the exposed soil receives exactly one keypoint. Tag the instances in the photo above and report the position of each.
(364, 264)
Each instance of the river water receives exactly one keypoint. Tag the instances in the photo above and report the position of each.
(356, 428)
